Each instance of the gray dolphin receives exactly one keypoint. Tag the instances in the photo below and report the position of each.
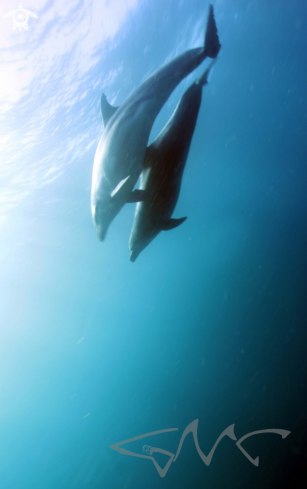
(163, 165)
(121, 149)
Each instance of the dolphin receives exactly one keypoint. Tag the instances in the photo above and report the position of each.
(163, 168)
(121, 149)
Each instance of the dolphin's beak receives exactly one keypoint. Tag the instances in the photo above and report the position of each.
(133, 255)
(101, 233)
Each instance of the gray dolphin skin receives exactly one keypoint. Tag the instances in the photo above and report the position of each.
(121, 149)
(164, 164)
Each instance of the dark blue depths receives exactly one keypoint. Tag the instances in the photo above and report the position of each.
(210, 322)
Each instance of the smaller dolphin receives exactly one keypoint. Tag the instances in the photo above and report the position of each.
(122, 146)
(163, 165)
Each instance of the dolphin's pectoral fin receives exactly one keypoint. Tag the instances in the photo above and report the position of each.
(121, 188)
(137, 196)
(171, 224)
(107, 110)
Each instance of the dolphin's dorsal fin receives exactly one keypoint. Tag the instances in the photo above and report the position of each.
(169, 224)
(107, 110)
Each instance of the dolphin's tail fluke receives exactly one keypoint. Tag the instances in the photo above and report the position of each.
(203, 80)
(212, 42)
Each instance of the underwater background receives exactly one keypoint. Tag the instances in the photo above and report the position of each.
(209, 323)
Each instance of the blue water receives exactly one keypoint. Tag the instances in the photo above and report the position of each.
(209, 323)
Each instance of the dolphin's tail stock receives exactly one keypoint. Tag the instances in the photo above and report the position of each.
(212, 42)
(203, 80)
